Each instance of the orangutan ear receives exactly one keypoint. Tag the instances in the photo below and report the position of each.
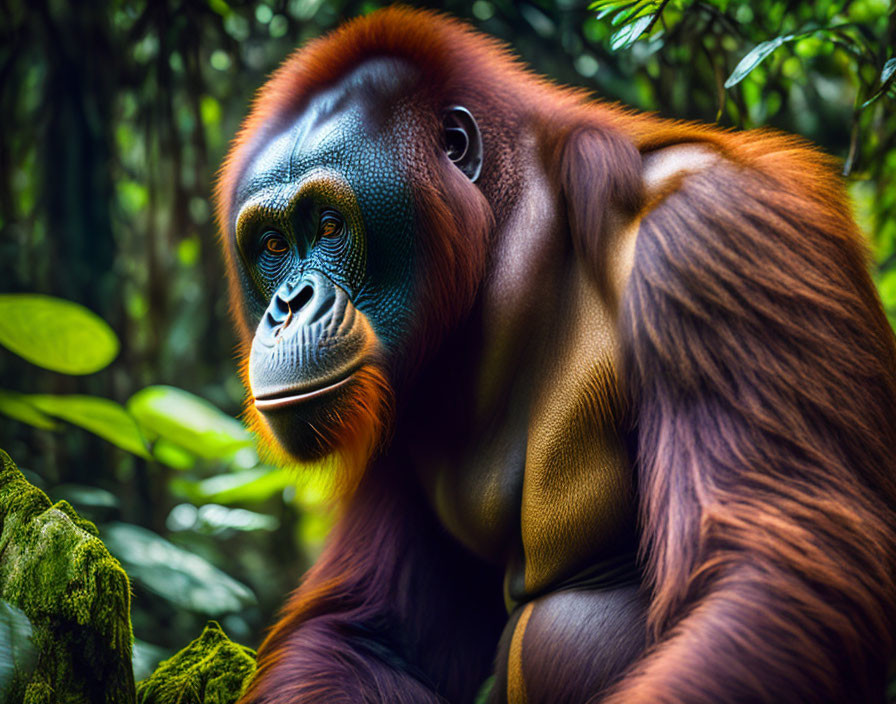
(463, 141)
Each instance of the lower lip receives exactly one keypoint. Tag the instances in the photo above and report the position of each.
(273, 404)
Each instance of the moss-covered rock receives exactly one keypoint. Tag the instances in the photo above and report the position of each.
(56, 570)
(210, 670)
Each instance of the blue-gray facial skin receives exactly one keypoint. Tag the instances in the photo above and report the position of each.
(340, 159)
(325, 245)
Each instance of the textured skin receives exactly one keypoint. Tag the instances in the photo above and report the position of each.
(333, 153)
(637, 373)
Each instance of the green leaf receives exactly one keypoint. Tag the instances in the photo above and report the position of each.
(55, 334)
(887, 75)
(16, 406)
(251, 486)
(100, 416)
(483, 696)
(606, 11)
(182, 578)
(188, 421)
(622, 12)
(611, 5)
(637, 9)
(622, 15)
(888, 70)
(173, 455)
(756, 56)
(18, 654)
(629, 34)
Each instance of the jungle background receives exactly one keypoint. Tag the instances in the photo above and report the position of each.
(113, 119)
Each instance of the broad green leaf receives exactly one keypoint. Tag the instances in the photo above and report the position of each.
(251, 486)
(182, 578)
(101, 416)
(629, 34)
(173, 455)
(17, 651)
(188, 421)
(756, 56)
(55, 334)
(16, 406)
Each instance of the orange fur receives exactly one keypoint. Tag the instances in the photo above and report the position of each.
(756, 363)
(356, 432)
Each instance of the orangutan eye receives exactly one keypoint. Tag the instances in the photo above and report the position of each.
(275, 243)
(330, 224)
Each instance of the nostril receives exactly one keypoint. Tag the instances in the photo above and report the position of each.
(301, 298)
(280, 310)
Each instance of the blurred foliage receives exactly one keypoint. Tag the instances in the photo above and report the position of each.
(115, 117)
(823, 69)
(18, 654)
(170, 427)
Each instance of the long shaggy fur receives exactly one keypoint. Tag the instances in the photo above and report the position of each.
(763, 375)
(758, 367)
(369, 588)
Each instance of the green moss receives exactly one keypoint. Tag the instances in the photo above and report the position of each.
(55, 569)
(210, 670)
(39, 692)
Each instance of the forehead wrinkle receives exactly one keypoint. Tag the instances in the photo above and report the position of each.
(308, 144)
(327, 130)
